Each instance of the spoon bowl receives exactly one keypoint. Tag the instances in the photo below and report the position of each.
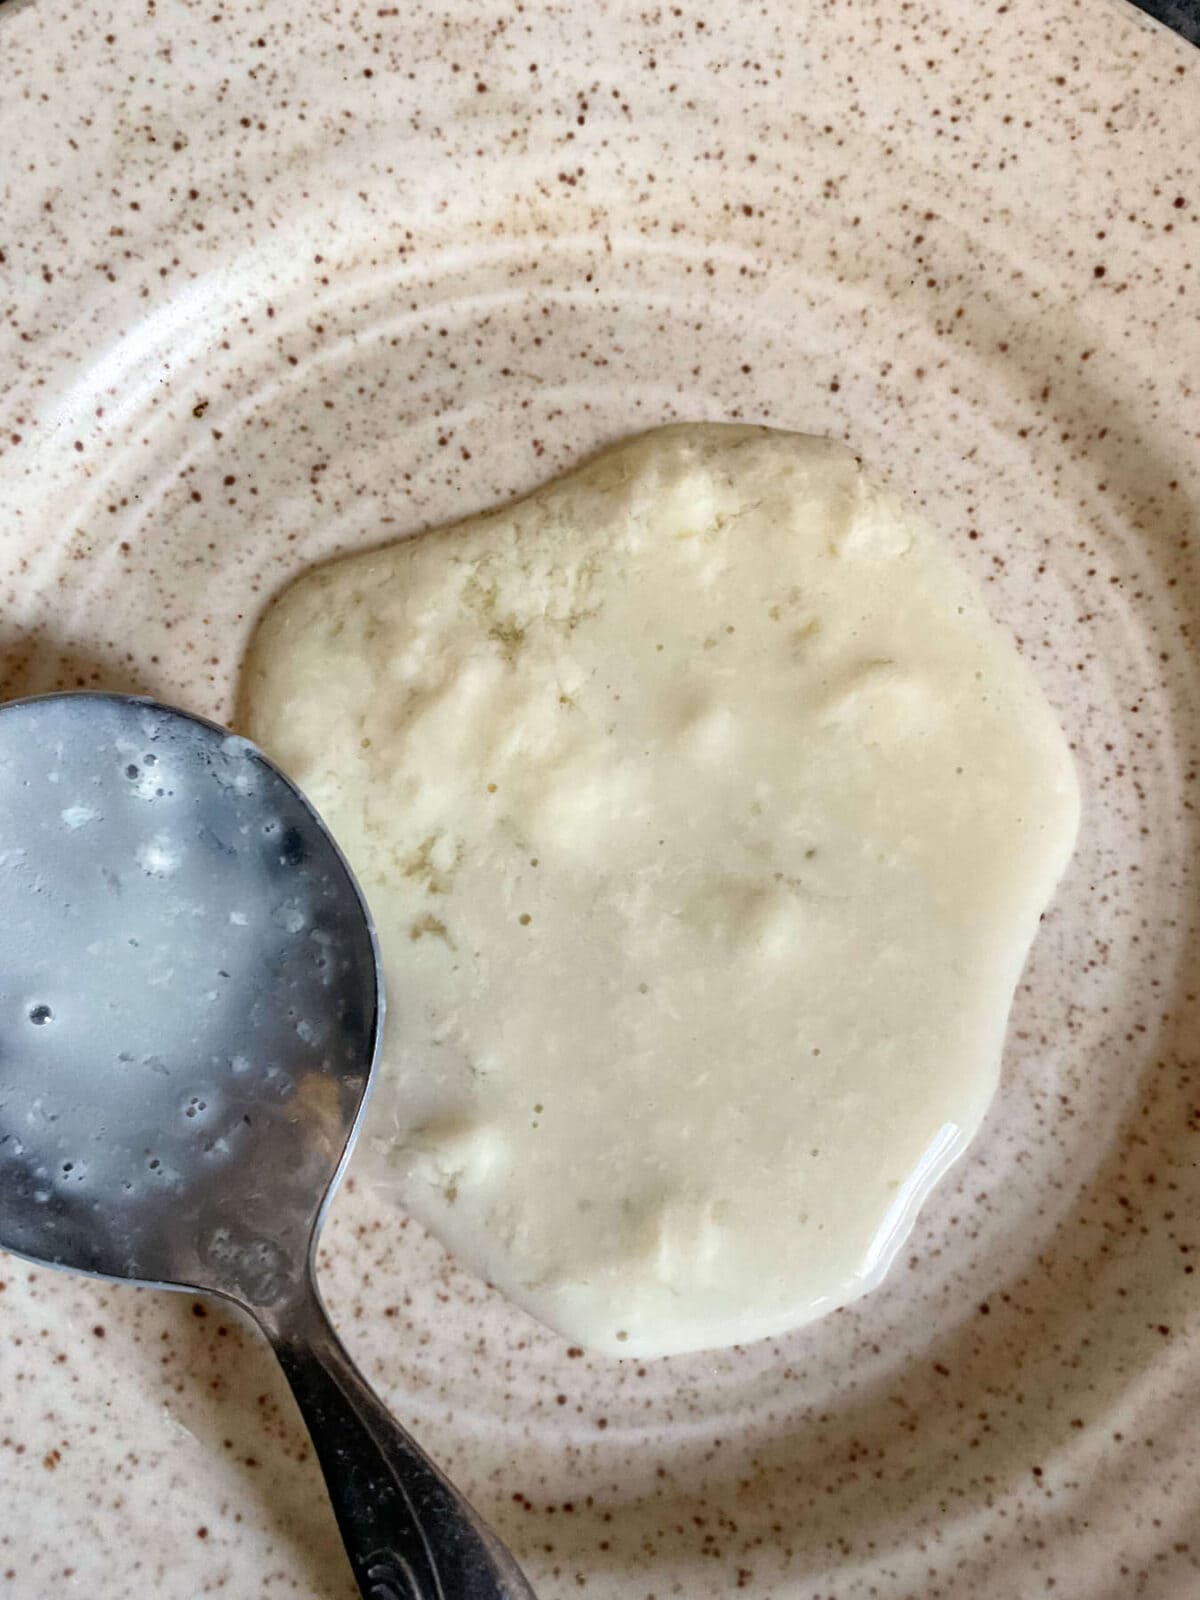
(190, 1004)
(190, 1014)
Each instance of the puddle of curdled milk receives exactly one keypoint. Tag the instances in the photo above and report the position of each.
(706, 819)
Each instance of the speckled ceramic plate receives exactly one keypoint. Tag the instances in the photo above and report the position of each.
(279, 281)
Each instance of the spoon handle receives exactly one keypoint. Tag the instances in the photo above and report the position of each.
(408, 1532)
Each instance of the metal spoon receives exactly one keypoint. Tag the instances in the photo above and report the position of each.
(190, 1013)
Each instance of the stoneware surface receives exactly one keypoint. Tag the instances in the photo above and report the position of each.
(277, 282)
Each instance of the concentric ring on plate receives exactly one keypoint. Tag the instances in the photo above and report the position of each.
(359, 342)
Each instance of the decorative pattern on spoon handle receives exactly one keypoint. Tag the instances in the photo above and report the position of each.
(408, 1532)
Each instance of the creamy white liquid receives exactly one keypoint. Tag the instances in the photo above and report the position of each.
(707, 820)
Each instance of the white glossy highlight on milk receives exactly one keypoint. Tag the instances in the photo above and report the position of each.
(707, 820)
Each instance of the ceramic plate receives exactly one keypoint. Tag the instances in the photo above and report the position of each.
(277, 282)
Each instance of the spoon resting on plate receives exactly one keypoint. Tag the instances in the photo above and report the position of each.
(190, 1014)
